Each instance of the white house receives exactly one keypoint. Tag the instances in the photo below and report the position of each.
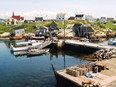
(10, 21)
(90, 18)
(1, 20)
(14, 20)
(38, 19)
(19, 30)
(60, 16)
(103, 20)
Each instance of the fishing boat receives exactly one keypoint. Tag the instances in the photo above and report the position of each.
(30, 42)
(4, 35)
(19, 48)
(112, 41)
(19, 37)
(37, 38)
(24, 46)
(19, 53)
(34, 52)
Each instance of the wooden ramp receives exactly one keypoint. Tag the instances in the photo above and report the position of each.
(45, 44)
(88, 44)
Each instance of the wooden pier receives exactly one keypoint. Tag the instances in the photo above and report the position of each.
(87, 44)
(104, 77)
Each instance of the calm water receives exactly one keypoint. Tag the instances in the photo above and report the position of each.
(23, 71)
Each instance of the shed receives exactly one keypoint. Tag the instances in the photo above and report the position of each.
(82, 30)
(43, 30)
(53, 26)
(19, 30)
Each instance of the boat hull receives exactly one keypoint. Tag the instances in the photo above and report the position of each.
(25, 48)
(37, 38)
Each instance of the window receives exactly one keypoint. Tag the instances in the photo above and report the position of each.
(17, 32)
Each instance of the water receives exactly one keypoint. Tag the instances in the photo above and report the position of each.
(23, 71)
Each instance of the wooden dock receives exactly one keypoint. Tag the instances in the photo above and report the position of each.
(87, 44)
(104, 77)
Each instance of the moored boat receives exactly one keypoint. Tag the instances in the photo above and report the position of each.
(37, 38)
(4, 35)
(19, 37)
(19, 48)
(30, 42)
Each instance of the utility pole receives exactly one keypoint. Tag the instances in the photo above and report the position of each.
(64, 30)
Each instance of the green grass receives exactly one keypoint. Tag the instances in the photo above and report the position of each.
(29, 26)
(4, 28)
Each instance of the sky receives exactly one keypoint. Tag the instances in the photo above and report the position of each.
(49, 8)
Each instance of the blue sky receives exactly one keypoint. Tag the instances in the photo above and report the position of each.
(49, 8)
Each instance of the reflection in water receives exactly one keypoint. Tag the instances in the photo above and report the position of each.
(9, 42)
(35, 71)
(19, 53)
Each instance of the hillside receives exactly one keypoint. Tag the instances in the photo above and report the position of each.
(98, 27)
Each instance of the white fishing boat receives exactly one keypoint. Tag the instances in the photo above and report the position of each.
(19, 53)
(34, 52)
(30, 42)
(37, 38)
(112, 41)
(24, 46)
(19, 48)
(23, 43)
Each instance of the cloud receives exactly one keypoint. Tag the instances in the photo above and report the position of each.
(33, 14)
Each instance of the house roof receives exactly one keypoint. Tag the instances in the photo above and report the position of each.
(19, 27)
(61, 14)
(77, 25)
(87, 29)
(53, 26)
(71, 18)
(80, 30)
(17, 17)
(79, 15)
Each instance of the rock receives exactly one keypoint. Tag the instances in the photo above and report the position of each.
(105, 54)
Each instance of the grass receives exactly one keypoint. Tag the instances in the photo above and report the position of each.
(4, 28)
(30, 29)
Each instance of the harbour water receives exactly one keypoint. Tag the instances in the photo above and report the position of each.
(35, 71)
